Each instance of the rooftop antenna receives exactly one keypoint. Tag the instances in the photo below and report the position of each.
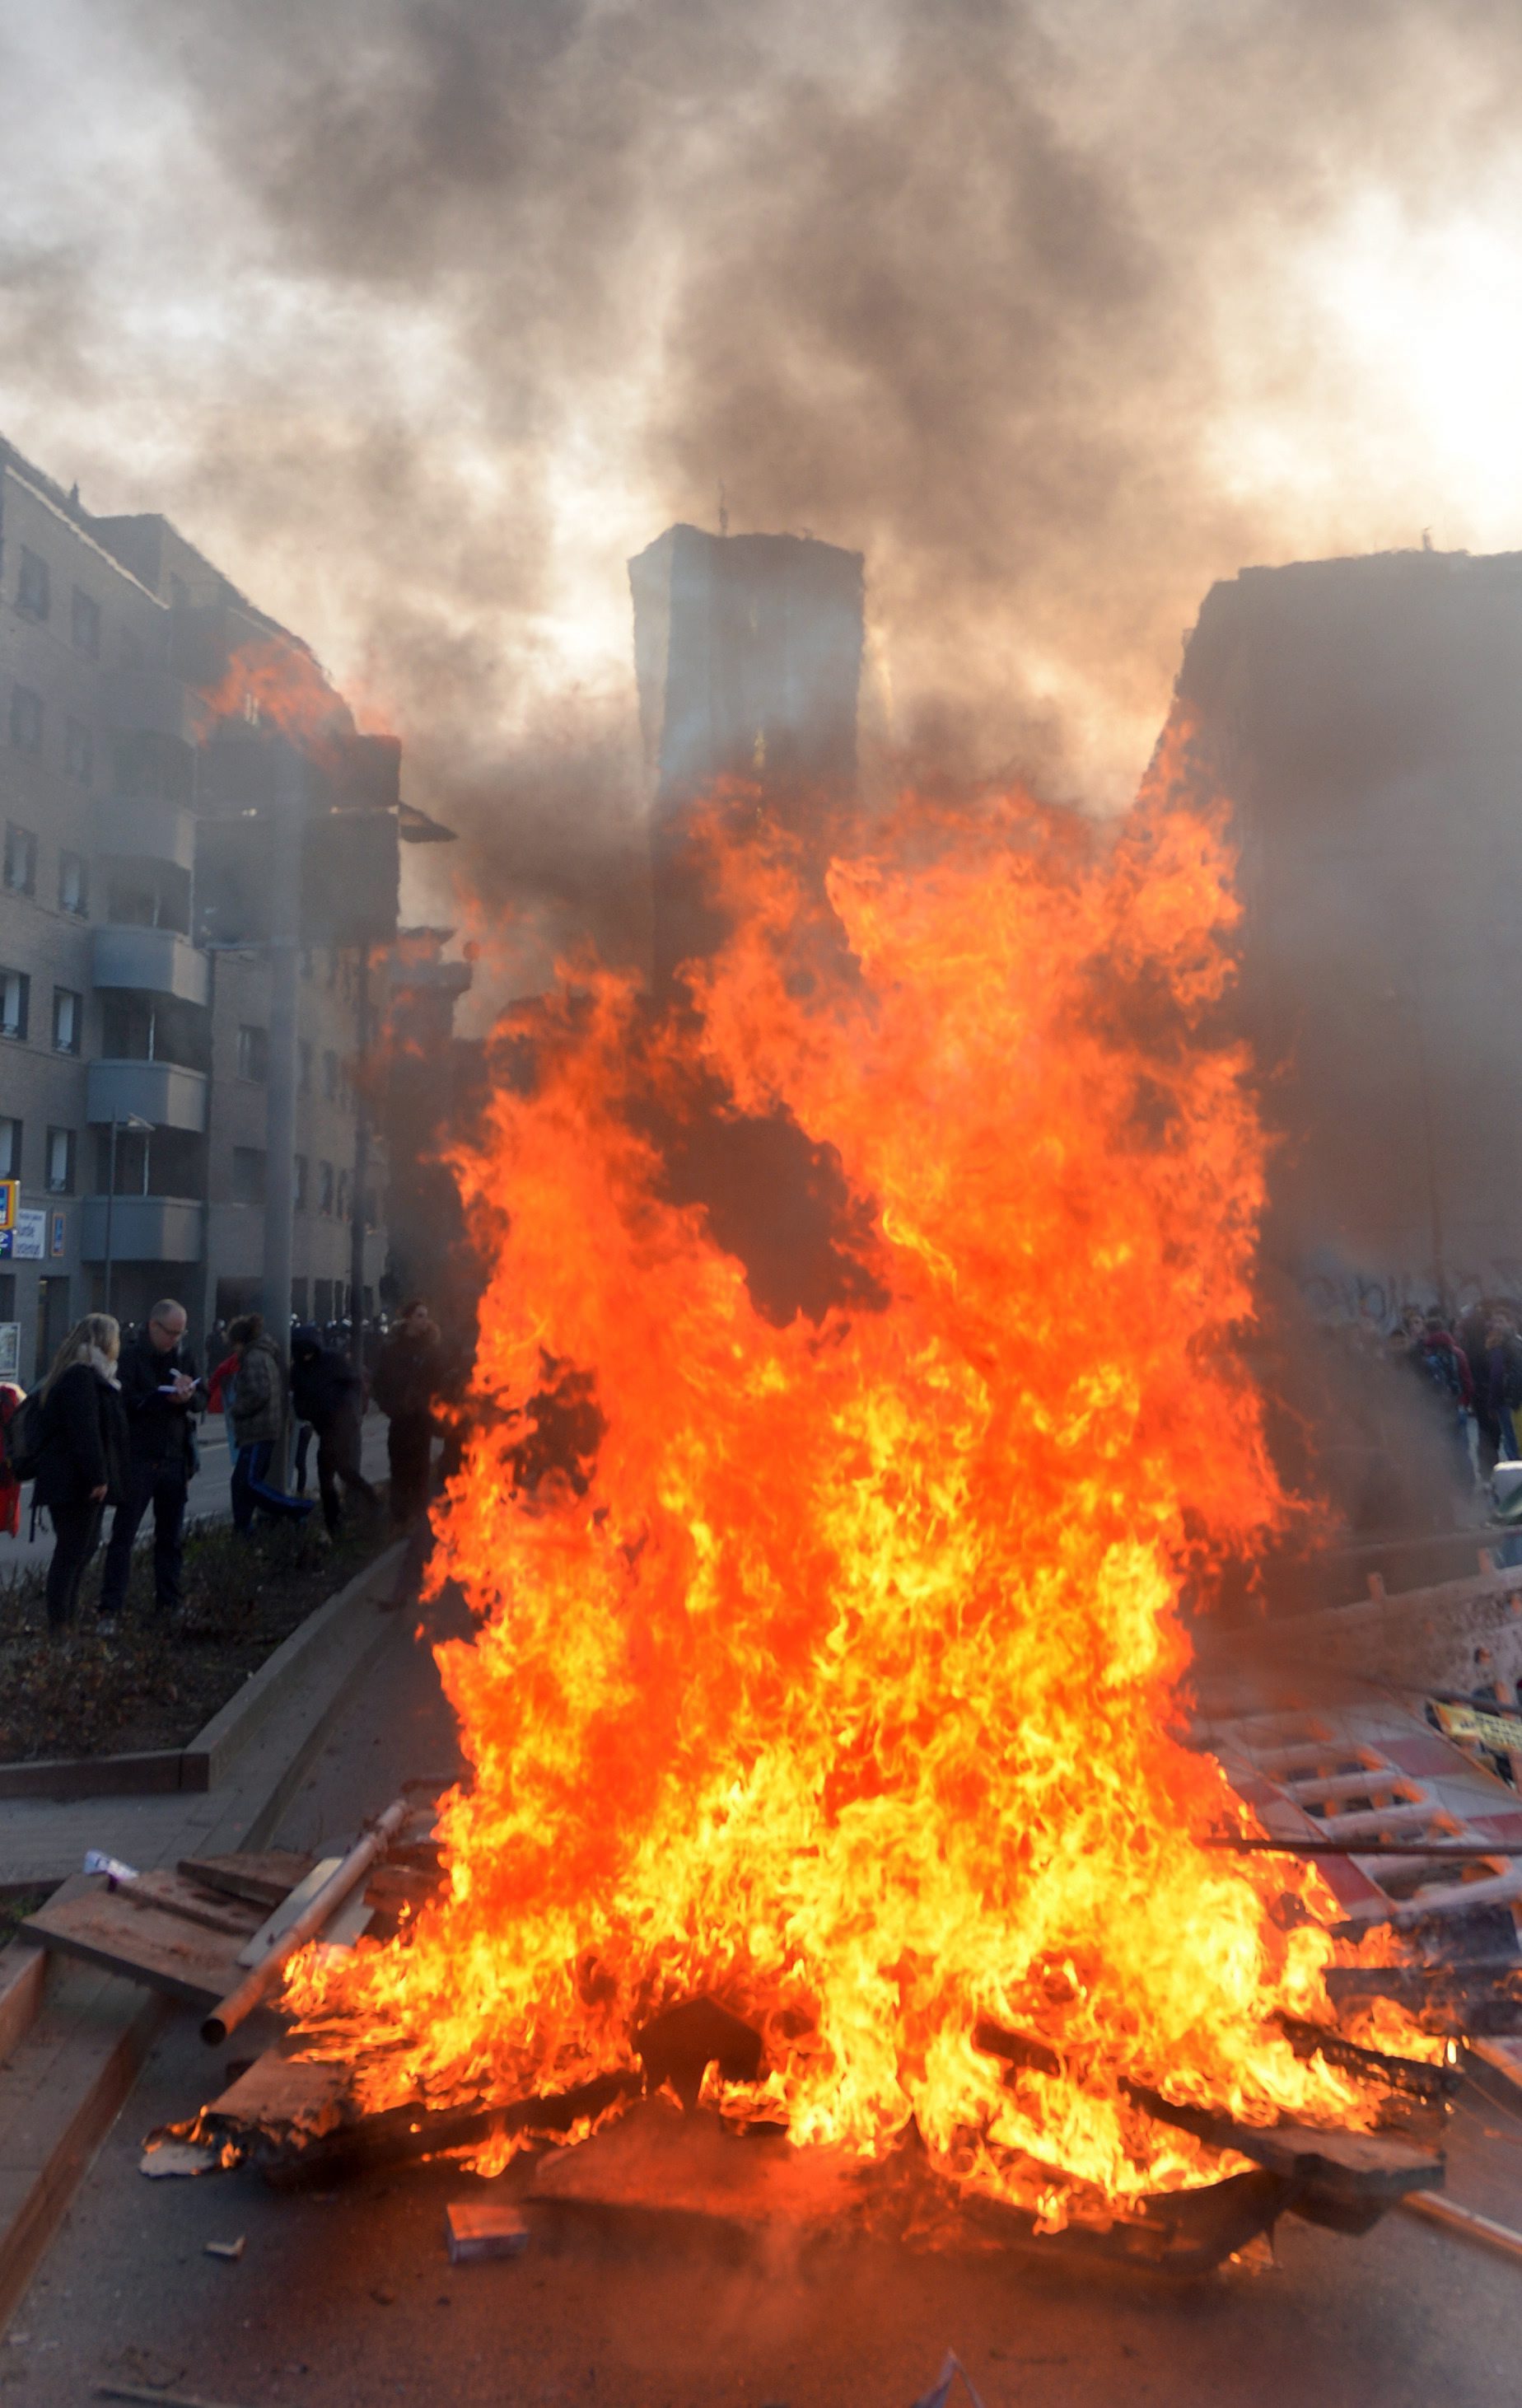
(723, 509)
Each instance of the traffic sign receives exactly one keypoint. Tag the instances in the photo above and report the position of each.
(11, 1195)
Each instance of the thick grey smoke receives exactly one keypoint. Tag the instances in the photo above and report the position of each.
(420, 315)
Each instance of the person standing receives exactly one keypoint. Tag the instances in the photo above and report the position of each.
(255, 1409)
(410, 1377)
(84, 1454)
(161, 1395)
(328, 1392)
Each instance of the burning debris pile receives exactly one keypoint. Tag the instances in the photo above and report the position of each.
(829, 1767)
(836, 1679)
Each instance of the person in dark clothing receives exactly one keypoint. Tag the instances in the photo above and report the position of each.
(83, 1465)
(160, 1393)
(409, 1379)
(1499, 1392)
(254, 1400)
(328, 1391)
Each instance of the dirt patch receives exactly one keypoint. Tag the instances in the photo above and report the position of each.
(142, 1685)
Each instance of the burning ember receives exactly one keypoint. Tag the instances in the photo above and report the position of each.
(837, 1676)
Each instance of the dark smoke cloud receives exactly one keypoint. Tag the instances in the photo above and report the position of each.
(421, 317)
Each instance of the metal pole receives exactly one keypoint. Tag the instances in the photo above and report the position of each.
(362, 1166)
(280, 1093)
(110, 1200)
(230, 2011)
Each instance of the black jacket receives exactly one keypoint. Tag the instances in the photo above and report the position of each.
(84, 1440)
(158, 1429)
(325, 1387)
(409, 1375)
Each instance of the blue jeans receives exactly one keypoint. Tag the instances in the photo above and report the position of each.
(251, 1491)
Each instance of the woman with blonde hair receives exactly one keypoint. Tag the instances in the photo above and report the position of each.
(84, 1454)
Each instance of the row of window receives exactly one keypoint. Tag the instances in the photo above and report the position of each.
(35, 601)
(16, 1011)
(334, 1199)
(20, 870)
(26, 730)
(253, 1065)
(58, 1158)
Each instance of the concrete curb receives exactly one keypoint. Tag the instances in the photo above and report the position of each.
(204, 1760)
(69, 2083)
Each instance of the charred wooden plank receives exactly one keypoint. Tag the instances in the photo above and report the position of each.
(1016, 2048)
(1411, 2076)
(1343, 2180)
(144, 1939)
(401, 2135)
(264, 1879)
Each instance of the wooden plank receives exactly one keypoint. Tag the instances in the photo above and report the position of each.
(146, 1941)
(263, 1879)
(1363, 2166)
(172, 1894)
(283, 2095)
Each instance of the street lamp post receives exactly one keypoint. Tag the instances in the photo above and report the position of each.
(135, 1125)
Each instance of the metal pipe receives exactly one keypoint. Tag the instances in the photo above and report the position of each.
(290, 806)
(1410, 1849)
(241, 2002)
(1468, 2221)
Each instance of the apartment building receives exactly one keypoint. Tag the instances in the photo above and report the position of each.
(134, 1046)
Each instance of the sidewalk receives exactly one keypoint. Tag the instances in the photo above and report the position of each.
(73, 2037)
(210, 1499)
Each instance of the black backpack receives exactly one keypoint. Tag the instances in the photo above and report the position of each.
(23, 1439)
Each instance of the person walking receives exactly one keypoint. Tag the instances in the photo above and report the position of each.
(327, 1391)
(410, 1378)
(160, 1393)
(256, 1409)
(83, 1455)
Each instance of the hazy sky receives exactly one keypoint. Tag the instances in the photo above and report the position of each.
(420, 318)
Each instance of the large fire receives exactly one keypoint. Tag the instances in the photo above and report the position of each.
(843, 1685)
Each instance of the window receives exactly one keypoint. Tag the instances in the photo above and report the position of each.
(253, 1055)
(60, 1162)
(302, 1183)
(20, 859)
(15, 1002)
(73, 885)
(68, 1019)
(78, 751)
(343, 1196)
(34, 597)
(248, 1174)
(25, 719)
(10, 1149)
(86, 620)
(324, 1189)
(330, 1075)
(303, 1066)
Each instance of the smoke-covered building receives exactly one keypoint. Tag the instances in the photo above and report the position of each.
(748, 653)
(1364, 717)
(124, 1037)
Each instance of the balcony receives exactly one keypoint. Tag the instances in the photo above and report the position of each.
(155, 702)
(130, 829)
(154, 961)
(164, 1093)
(144, 1229)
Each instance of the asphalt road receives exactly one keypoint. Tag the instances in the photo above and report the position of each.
(347, 2300)
(210, 1497)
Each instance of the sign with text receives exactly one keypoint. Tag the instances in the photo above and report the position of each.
(27, 1241)
(10, 1197)
(10, 1350)
(58, 1235)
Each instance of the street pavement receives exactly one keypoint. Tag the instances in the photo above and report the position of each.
(210, 1497)
(347, 2298)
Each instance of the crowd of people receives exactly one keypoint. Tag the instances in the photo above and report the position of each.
(114, 1426)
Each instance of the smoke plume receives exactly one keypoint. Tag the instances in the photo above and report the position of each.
(420, 316)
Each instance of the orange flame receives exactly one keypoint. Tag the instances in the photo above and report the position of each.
(848, 1689)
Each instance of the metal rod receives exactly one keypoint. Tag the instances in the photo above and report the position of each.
(290, 807)
(110, 1200)
(361, 1164)
(1456, 1848)
(226, 2018)
(1467, 2221)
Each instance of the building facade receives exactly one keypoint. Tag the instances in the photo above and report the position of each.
(1363, 720)
(135, 1050)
